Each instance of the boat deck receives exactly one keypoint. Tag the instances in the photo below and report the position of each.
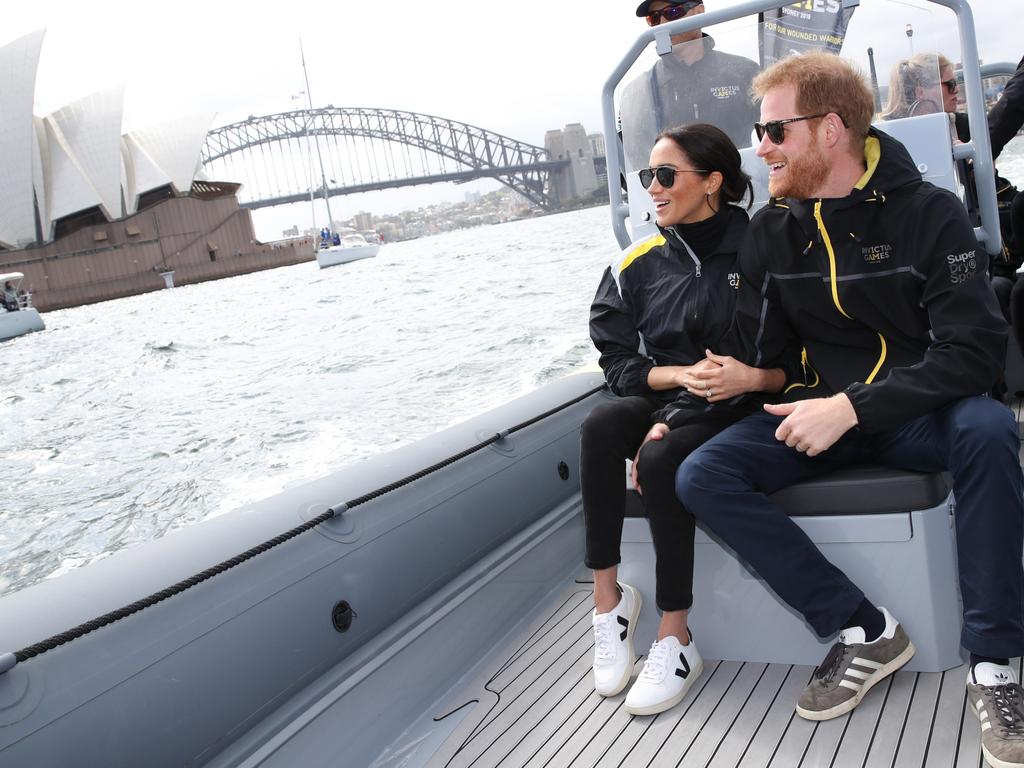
(537, 707)
(534, 705)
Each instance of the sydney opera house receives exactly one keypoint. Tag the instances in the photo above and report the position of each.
(88, 212)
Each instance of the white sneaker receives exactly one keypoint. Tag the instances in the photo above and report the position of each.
(668, 673)
(613, 643)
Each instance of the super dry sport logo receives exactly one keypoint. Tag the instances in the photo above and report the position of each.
(962, 266)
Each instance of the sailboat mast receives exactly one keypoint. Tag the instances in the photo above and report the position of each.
(316, 141)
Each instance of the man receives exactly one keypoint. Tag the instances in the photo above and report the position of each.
(1007, 115)
(694, 83)
(878, 273)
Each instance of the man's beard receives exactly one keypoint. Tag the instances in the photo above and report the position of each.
(805, 175)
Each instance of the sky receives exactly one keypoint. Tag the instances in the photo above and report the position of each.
(518, 68)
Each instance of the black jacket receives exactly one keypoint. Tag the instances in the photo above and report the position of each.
(1007, 116)
(886, 288)
(658, 305)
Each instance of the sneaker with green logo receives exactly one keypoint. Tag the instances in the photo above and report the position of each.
(852, 667)
(997, 700)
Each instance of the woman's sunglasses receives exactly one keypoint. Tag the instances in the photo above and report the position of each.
(673, 12)
(665, 174)
(951, 84)
(776, 129)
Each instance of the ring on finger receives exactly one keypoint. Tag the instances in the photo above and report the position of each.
(709, 392)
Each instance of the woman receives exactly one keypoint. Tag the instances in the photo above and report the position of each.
(924, 84)
(657, 315)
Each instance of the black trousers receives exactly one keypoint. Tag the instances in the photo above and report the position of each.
(612, 433)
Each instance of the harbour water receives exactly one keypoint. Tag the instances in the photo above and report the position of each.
(127, 419)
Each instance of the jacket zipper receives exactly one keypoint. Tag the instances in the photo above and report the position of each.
(805, 365)
(835, 288)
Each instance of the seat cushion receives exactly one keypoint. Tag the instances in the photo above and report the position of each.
(865, 490)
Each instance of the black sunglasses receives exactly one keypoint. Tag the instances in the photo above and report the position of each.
(665, 174)
(951, 84)
(673, 12)
(776, 129)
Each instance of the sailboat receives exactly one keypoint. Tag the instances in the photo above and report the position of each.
(332, 247)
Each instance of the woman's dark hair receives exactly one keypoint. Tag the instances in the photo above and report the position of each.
(710, 149)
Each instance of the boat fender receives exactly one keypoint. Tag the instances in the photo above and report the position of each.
(7, 662)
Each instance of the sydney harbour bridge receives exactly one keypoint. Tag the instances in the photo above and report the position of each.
(282, 158)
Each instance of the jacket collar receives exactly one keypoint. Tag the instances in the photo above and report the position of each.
(730, 242)
(889, 168)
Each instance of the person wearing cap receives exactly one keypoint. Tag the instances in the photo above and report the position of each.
(694, 83)
(10, 297)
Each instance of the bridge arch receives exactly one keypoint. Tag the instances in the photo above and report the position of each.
(478, 153)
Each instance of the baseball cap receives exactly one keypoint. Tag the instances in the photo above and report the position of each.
(644, 8)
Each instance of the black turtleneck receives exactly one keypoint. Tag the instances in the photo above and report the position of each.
(704, 236)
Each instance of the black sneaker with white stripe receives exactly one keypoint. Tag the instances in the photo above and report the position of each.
(852, 667)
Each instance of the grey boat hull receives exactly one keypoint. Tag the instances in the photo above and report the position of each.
(182, 681)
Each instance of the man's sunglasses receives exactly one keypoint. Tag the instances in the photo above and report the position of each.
(673, 12)
(665, 174)
(951, 84)
(776, 129)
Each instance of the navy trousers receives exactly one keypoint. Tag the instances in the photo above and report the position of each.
(725, 484)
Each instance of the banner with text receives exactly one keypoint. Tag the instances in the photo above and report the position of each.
(809, 25)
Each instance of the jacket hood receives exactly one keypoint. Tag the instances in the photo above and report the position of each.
(889, 168)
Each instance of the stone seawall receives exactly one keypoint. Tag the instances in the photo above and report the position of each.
(196, 239)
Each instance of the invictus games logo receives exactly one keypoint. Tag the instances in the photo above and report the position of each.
(725, 91)
(962, 266)
(734, 280)
(873, 254)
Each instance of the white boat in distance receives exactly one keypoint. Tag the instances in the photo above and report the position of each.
(25, 318)
(352, 247)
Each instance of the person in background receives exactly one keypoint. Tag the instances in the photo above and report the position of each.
(1007, 116)
(11, 297)
(693, 83)
(664, 302)
(1004, 121)
(924, 84)
(904, 341)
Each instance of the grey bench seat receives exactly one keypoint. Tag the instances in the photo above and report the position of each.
(889, 530)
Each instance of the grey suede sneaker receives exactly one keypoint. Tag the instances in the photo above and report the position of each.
(999, 705)
(851, 667)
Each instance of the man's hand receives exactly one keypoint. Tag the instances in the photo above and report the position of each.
(813, 426)
(657, 432)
